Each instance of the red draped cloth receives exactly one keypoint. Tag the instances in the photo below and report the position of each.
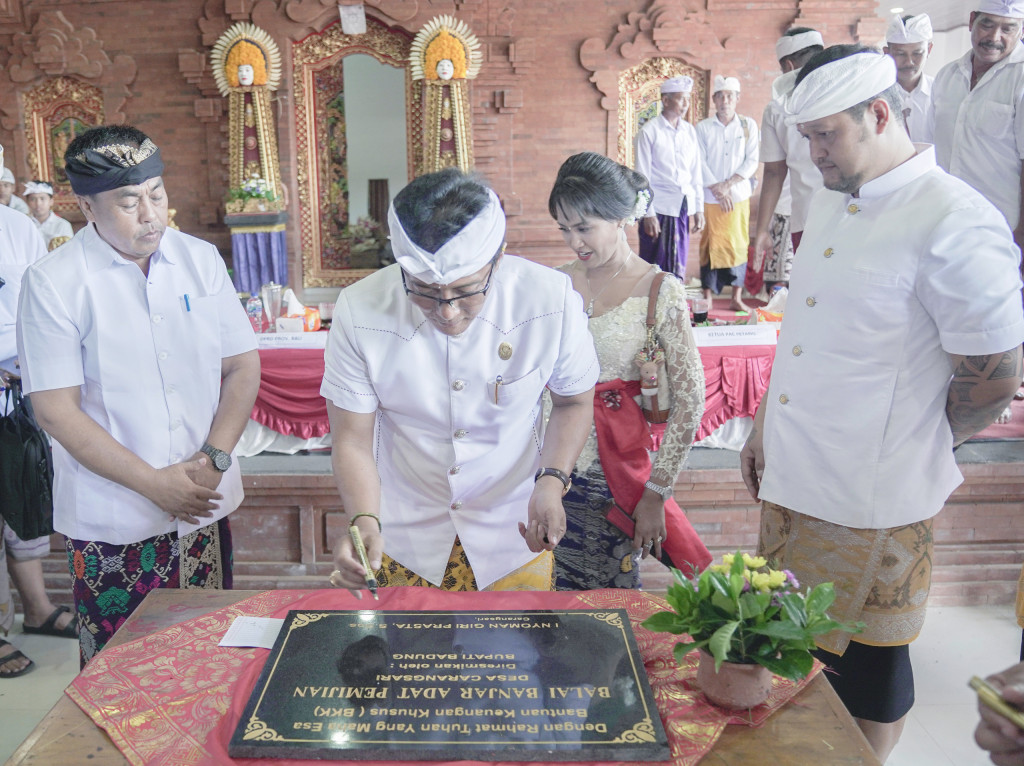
(735, 379)
(173, 698)
(289, 400)
(623, 438)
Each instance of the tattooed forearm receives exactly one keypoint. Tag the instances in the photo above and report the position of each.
(981, 388)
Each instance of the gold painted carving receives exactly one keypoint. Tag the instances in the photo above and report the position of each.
(640, 98)
(56, 111)
(311, 55)
(642, 731)
(258, 730)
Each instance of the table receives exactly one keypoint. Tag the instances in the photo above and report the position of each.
(289, 400)
(812, 729)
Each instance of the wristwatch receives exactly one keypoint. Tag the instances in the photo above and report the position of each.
(221, 460)
(562, 476)
(665, 492)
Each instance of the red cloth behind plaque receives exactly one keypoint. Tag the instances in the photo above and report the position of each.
(289, 400)
(173, 698)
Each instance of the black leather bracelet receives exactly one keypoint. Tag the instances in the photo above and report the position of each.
(562, 476)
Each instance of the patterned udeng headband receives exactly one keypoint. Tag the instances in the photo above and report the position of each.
(113, 166)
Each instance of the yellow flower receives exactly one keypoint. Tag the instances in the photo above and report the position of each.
(727, 559)
(754, 562)
(719, 568)
(776, 578)
(760, 581)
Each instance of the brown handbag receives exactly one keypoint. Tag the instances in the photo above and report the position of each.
(657, 396)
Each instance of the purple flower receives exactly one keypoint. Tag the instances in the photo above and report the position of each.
(792, 578)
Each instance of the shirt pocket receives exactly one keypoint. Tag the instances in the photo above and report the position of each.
(525, 389)
(994, 119)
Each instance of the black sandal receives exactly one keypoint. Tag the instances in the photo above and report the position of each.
(15, 655)
(49, 628)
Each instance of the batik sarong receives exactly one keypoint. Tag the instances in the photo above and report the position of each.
(109, 581)
(881, 576)
(669, 250)
(779, 261)
(536, 574)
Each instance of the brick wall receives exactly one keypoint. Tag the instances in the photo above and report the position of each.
(534, 102)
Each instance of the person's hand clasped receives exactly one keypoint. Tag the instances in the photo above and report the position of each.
(996, 734)
(762, 242)
(178, 490)
(649, 532)
(546, 518)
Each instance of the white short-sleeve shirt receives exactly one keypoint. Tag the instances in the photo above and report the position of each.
(728, 150)
(779, 142)
(888, 284)
(146, 352)
(55, 226)
(979, 133)
(669, 158)
(20, 245)
(921, 120)
(452, 460)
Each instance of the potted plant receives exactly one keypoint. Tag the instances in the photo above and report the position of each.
(254, 196)
(743, 613)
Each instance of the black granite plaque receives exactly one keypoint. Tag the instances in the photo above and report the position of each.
(488, 686)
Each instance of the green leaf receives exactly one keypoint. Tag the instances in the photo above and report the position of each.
(820, 598)
(721, 641)
(751, 605)
(663, 622)
(786, 631)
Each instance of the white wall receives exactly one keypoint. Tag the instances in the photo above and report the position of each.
(375, 128)
(946, 47)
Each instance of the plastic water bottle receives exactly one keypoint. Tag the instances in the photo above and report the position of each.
(254, 308)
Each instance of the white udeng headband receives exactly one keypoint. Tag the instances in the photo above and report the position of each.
(465, 253)
(838, 85)
(31, 187)
(787, 46)
(916, 29)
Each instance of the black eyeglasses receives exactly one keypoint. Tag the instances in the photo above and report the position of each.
(450, 301)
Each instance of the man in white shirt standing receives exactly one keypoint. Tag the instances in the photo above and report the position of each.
(901, 340)
(434, 372)
(909, 41)
(668, 156)
(979, 109)
(142, 365)
(783, 151)
(729, 145)
(39, 197)
(7, 195)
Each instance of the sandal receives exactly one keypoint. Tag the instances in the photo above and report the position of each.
(49, 628)
(15, 655)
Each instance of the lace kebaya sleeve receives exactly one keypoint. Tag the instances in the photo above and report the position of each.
(685, 377)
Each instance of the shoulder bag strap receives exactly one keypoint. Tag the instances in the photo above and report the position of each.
(652, 298)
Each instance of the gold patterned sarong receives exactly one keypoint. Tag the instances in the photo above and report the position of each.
(881, 576)
(726, 236)
(536, 574)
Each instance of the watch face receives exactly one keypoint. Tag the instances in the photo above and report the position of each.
(222, 461)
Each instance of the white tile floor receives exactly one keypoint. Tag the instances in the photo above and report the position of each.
(957, 642)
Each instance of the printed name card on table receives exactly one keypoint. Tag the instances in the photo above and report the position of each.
(292, 340)
(764, 334)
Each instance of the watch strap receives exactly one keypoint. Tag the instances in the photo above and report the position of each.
(562, 476)
(217, 456)
(665, 492)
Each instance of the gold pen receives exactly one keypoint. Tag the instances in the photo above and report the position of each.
(497, 382)
(357, 542)
(991, 697)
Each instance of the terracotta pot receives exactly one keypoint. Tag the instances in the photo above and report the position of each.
(736, 686)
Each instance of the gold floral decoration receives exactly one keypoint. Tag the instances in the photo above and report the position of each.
(245, 43)
(445, 37)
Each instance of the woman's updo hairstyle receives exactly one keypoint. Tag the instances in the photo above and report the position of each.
(596, 187)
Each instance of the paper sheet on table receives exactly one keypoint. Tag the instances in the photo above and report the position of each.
(260, 632)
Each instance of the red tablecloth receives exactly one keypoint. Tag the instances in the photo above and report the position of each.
(174, 697)
(289, 400)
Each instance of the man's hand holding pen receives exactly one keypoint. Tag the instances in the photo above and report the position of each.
(350, 571)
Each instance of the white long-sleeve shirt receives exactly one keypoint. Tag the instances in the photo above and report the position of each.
(728, 150)
(670, 159)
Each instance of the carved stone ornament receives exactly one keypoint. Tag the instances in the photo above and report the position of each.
(668, 31)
